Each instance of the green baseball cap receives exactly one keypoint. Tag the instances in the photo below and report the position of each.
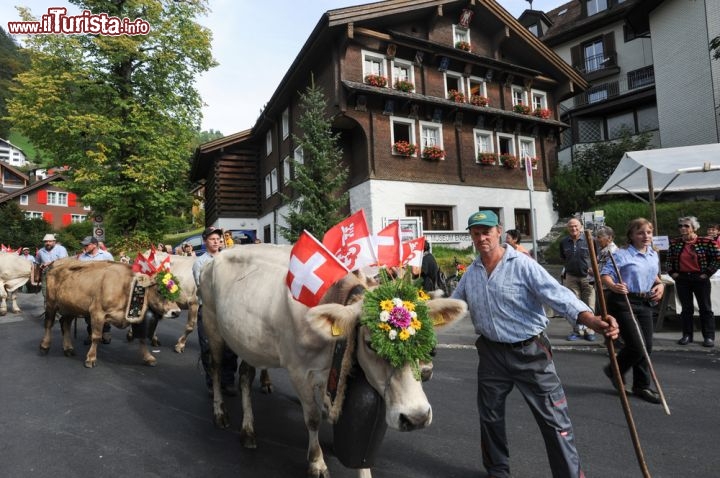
(483, 218)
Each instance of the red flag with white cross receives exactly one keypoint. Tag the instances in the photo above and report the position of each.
(143, 265)
(312, 271)
(387, 244)
(351, 243)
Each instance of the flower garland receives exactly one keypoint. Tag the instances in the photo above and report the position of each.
(168, 285)
(401, 331)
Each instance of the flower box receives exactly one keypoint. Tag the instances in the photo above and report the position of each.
(533, 162)
(509, 161)
(543, 113)
(404, 85)
(376, 80)
(488, 159)
(522, 109)
(456, 96)
(434, 153)
(463, 45)
(403, 148)
(479, 100)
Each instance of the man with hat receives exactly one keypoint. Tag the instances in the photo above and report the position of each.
(92, 252)
(50, 252)
(505, 291)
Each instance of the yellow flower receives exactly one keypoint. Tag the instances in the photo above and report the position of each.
(173, 289)
(422, 295)
(409, 305)
(416, 324)
(404, 334)
(387, 304)
(384, 326)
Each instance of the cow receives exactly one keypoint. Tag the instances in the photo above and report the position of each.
(14, 273)
(247, 305)
(99, 290)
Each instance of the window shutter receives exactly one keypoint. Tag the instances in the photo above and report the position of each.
(609, 49)
(66, 219)
(42, 196)
(576, 57)
(72, 199)
(47, 217)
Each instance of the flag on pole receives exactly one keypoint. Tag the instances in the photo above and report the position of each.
(529, 173)
(413, 252)
(387, 245)
(312, 271)
(143, 265)
(351, 243)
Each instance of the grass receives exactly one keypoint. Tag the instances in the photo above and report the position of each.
(445, 257)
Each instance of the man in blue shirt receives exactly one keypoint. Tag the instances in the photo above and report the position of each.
(505, 291)
(50, 252)
(92, 252)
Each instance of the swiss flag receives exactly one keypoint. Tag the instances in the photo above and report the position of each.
(312, 270)
(351, 243)
(387, 244)
(164, 265)
(144, 265)
(413, 252)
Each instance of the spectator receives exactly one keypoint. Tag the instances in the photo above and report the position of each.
(640, 288)
(50, 252)
(93, 252)
(576, 254)
(229, 242)
(429, 270)
(691, 261)
(212, 238)
(713, 232)
(505, 292)
(186, 249)
(27, 256)
(512, 238)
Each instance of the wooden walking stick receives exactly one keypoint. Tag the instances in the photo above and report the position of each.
(613, 361)
(638, 332)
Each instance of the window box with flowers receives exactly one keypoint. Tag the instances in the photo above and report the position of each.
(456, 96)
(404, 85)
(434, 153)
(376, 80)
(522, 109)
(543, 113)
(479, 100)
(533, 162)
(463, 45)
(509, 161)
(403, 148)
(487, 159)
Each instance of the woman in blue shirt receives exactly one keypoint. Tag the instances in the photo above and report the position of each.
(641, 288)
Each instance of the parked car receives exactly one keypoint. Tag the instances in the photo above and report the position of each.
(240, 236)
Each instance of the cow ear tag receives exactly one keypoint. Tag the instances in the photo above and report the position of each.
(335, 330)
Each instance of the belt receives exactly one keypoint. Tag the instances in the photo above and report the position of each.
(513, 345)
(639, 295)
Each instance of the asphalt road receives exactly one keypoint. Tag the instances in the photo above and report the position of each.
(123, 419)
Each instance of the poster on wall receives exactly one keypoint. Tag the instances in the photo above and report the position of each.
(410, 227)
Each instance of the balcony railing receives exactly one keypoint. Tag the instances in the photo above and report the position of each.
(635, 79)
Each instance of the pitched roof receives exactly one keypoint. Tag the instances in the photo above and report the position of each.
(32, 187)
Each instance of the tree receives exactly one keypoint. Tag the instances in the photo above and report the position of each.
(20, 232)
(318, 203)
(13, 62)
(574, 185)
(121, 111)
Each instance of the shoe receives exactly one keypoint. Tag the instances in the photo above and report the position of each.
(573, 337)
(590, 337)
(708, 342)
(648, 395)
(608, 373)
(686, 339)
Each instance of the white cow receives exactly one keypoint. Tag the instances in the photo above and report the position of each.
(14, 273)
(247, 305)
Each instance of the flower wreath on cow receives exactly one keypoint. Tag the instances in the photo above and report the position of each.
(167, 283)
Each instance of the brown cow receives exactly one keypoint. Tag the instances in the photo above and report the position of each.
(101, 291)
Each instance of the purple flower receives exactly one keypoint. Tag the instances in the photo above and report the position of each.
(400, 317)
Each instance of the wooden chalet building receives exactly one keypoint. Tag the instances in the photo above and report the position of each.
(462, 78)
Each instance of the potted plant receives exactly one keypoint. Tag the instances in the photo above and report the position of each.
(456, 96)
(434, 153)
(522, 109)
(463, 45)
(509, 161)
(404, 85)
(533, 162)
(404, 148)
(479, 100)
(543, 113)
(488, 159)
(376, 80)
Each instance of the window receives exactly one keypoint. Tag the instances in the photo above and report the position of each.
(273, 181)
(522, 222)
(435, 218)
(483, 142)
(285, 123)
(430, 135)
(286, 169)
(594, 56)
(647, 119)
(453, 81)
(268, 186)
(590, 130)
(23, 199)
(476, 86)
(596, 6)
(460, 34)
(527, 149)
(598, 93)
(267, 236)
(268, 143)
(534, 29)
(641, 77)
(373, 64)
(519, 96)
(299, 156)
(33, 215)
(77, 218)
(401, 129)
(539, 99)
(506, 143)
(402, 71)
(619, 124)
(55, 198)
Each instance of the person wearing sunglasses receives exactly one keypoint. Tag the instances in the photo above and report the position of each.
(691, 261)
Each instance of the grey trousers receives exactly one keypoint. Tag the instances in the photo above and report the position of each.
(530, 368)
